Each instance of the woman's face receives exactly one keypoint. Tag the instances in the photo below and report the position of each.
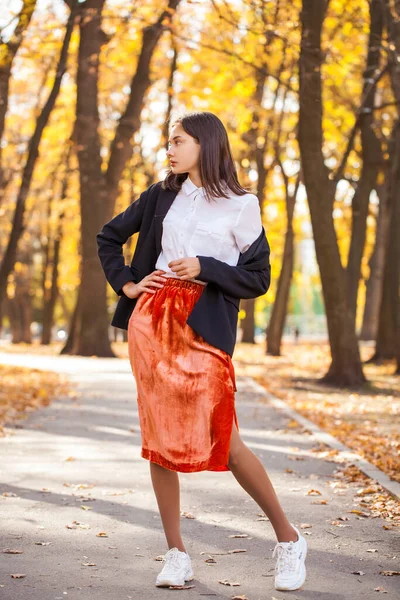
(183, 151)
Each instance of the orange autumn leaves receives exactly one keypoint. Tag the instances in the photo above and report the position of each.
(24, 390)
(367, 421)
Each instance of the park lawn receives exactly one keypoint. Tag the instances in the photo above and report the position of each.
(24, 390)
(367, 420)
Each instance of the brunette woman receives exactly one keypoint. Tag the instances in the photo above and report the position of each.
(201, 248)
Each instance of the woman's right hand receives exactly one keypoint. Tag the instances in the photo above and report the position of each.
(133, 290)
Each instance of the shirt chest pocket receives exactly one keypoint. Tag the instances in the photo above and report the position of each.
(206, 240)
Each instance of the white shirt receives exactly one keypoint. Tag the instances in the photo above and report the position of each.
(221, 228)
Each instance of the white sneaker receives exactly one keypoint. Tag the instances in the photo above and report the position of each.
(290, 568)
(177, 569)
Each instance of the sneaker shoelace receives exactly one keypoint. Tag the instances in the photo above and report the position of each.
(172, 560)
(286, 558)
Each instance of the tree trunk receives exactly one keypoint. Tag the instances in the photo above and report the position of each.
(389, 330)
(49, 301)
(248, 323)
(73, 327)
(279, 309)
(91, 321)
(49, 306)
(377, 265)
(345, 369)
(19, 307)
(8, 261)
(388, 323)
(372, 159)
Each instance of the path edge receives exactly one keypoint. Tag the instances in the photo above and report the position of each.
(392, 487)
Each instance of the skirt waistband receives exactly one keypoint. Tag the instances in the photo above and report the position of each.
(185, 283)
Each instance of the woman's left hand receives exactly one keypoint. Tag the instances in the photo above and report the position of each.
(186, 268)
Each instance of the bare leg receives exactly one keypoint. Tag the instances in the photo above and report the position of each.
(252, 476)
(166, 489)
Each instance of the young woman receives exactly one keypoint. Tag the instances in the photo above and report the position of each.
(201, 248)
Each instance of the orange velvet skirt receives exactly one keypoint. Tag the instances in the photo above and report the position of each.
(185, 386)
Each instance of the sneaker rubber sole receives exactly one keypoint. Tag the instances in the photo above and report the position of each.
(167, 582)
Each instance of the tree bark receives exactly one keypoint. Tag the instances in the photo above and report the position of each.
(91, 325)
(372, 159)
(279, 310)
(345, 368)
(386, 339)
(49, 301)
(389, 326)
(19, 306)
(248, 323)
(8, 261)
(374, 284)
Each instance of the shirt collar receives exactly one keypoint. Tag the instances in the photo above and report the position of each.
(189, 187)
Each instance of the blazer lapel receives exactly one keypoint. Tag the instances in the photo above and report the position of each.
(164, 202)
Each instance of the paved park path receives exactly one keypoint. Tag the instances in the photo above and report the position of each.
(76, 499)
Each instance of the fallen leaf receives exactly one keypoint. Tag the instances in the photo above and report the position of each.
(83, 507)
(380, 589)
(339, 524)
(89, 564)
(18, 575)
(359, 512)
(42, 543)
(227, 582)
(236, 551)
(242, 597)
(389, 573)
(357, 573)
(187, 515)
(102, 534)
(313, 493)
(10, 551)
(181, 587)
(305, 525)
(367, 490)
(372, 550)
(239, 535)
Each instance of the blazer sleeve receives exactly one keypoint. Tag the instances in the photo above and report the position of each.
(251, 276)
(111, 238)
(238, 281)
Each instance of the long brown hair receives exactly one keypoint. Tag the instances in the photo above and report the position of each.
(217, 169)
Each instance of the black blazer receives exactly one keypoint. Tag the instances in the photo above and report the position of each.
(215, 314)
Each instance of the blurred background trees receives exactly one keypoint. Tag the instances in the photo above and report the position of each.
(310, 94)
